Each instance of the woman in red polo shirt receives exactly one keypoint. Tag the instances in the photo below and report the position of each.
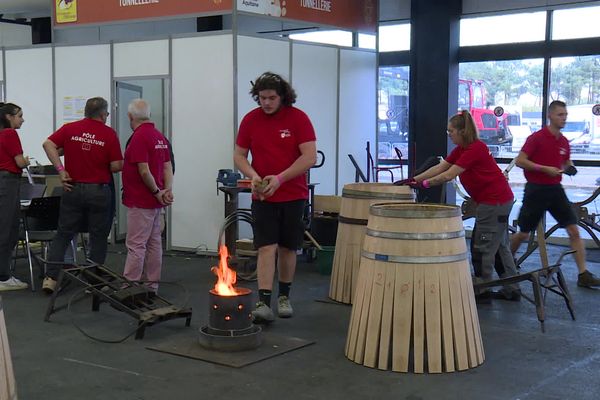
(11, 163)
(483, 180)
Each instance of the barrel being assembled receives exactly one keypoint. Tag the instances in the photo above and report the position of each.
(414, 289)
(352, 225)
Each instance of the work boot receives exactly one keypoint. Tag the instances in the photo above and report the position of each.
(508, 294)
(484, 298)
(284, 308)
(587, 279)
(262, 313)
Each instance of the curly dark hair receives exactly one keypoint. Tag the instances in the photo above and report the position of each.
(272, 81)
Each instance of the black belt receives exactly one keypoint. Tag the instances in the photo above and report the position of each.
(87, 184)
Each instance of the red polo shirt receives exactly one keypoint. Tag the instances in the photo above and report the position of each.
(482, 178)
(10, 147)
(147, 145)
(543, 148)
(89, 148)
(273, 141)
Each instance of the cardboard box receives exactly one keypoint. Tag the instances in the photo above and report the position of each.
(327, 204)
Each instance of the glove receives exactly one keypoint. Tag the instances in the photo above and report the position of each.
(416, 185)
(404, 182)
(570, 170)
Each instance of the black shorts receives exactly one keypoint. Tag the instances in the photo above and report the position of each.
(538, 199)
(278, 223)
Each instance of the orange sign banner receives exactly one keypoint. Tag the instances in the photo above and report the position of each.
(78, 12)
(358, 15)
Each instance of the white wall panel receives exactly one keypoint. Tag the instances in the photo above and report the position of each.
(317, 97)
(202, 136)
(357, 110)
(81, 71)
(141, 58)
(390, 10)
(256, 56)
(15, 35)
(29, 85)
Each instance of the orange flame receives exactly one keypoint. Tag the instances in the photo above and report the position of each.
(226, 276)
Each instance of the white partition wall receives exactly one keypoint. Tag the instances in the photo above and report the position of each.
(148, 58)
(202, 136)
(318, 98)
(357, 118)
(1, 76)
(256, 56)
(29, 84)
(82, 72)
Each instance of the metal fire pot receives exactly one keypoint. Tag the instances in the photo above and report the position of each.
(230, 326)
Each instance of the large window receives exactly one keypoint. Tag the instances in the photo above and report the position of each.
(576, 81)
(512, 28)
(394, 37)
(392, 110)
(505, 100)
(576, 23)
(335, 37)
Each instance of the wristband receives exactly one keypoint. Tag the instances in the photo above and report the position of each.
(156, 191)
(60, 168)
(425, 184)
(279, 180)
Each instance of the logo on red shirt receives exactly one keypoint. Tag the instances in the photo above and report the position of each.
(87, 140)
(160, 145)
(285, 133)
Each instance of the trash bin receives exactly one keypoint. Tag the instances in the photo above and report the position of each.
(325, 259)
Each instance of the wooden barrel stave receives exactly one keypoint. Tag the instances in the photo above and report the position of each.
(418, 316)
(353, 217)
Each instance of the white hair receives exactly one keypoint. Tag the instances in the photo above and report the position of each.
(139, 109)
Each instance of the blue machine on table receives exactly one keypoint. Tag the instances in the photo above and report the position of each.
(227, 177)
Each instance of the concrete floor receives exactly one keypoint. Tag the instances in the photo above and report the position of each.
(55, 361)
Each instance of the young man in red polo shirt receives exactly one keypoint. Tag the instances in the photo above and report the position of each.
(545, 156)
(282, 141)
(92, 153)
(147, 184)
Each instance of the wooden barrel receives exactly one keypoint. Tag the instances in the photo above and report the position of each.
(414, 288)
(8, 387)
(352, 225)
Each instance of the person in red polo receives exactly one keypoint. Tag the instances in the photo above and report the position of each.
(12, 162)
(483, 180)
(545, 156)
(92, 152)
(282, 141)
(147, 184)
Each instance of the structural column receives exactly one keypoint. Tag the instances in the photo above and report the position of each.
(433, 83)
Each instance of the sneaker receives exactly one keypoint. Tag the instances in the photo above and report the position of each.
(49, 285)
(262, 313)
(587, 279)
(284, 308)
(12, 283)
